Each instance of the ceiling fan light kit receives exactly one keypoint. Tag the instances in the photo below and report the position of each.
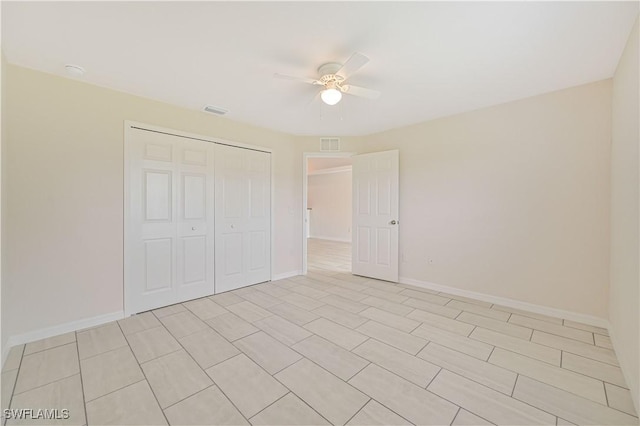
(332, 77)
(331, 96)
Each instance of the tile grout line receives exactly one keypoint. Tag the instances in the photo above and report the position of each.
(144, 374)
(189, 396)
(515, 382)
(15, 383)
(84, 399)
(355, 347)
(491, 389)
(548, 412)
(116, 390)
(360, 409)
(574, 353)
(537, 379)
(223, 393)
(52, 347)
(509, 350)
(358, 372)
(297, 396)
(434, 377)
(44, 384)
(105, 352)
(290, 390)
(456, 416)
(453, 403)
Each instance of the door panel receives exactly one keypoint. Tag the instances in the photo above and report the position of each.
(169, 255)
(195, 226)
(195, 259)
(258, 247)
(157, 195)
(158, 255)
(375, 215)
(194, 196)
(243, 217)
(233, 254)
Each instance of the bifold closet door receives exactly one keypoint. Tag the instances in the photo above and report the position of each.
(243, 217)
(169, 255)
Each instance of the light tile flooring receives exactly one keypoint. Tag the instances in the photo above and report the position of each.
(325, 348)
(328, 256)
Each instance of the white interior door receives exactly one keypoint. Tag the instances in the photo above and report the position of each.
(243, 217)
(375, 215)
(170, 226)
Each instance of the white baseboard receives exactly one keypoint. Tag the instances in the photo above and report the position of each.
(511, 303)
(284, 275)
(340, 240)
(55, 330)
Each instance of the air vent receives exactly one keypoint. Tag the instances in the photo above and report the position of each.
(329, 144)
(215, 110)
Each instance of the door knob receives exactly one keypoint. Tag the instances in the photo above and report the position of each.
(393, 222)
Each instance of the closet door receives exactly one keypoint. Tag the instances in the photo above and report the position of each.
(196, 214)
(243, 217)
(169, 227)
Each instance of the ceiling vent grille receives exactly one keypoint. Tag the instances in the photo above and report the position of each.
(329, 144)
(214, 110)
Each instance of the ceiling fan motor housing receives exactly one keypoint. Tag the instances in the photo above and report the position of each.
(329, 79)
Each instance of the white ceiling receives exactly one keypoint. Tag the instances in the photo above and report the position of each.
(429, 59)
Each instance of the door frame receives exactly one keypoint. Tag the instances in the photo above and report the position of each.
(306, 156)
(129, 125)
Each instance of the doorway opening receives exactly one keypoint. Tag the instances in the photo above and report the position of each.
(327, 198)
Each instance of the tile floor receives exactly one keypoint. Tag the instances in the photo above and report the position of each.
(327, 348)
(328, 256)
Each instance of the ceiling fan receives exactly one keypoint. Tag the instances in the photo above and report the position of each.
(333, 77)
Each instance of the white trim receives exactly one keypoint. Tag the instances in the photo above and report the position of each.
(511, 303)
(56, 330)
(305, 157)
(285, 275)
(340, 240)
(341, 169)
(272, 221)
(126, 270)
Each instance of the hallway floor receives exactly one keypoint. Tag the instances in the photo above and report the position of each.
(325, 256)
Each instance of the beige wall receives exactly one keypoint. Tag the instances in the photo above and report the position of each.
(624, 297)
(64, 220)
(512, 200)
(329, 196)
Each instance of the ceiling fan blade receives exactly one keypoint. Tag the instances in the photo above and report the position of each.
(360, 91)
(302, 79)
(353, 64)
(313, 100)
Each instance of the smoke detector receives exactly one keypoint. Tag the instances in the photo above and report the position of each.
(74, 70)
(214, 110)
